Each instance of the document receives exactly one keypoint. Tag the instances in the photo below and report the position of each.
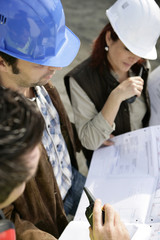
(76, 230)
(127, 175)
(79, 230)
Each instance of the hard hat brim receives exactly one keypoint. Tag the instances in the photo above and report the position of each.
(151, 55)
(67, 52)
(63, 57)
(147, 54)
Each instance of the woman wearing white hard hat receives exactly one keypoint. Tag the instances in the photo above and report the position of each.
(108, 90)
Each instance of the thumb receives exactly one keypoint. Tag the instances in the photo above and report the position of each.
(91, 233)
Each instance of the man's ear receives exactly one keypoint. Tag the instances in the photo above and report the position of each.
(3, 65)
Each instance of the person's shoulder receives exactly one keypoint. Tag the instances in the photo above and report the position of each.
(52, 90)
(85, 64)
(49, 85)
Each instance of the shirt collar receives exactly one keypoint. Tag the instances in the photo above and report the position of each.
(115, 75)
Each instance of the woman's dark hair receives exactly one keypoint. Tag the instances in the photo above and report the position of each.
(98, 54)
(21, 129)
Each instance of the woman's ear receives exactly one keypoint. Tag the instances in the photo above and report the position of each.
(108, 38)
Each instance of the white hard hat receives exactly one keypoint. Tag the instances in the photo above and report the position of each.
(137, 24)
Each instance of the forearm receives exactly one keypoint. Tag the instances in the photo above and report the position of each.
(111, 107)
(94, 132)
(92, 127)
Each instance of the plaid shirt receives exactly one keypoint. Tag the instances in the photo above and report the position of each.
(53, 141)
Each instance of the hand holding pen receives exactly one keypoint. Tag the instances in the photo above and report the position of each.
(111, 229)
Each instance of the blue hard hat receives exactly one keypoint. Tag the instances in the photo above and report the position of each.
(35, 31)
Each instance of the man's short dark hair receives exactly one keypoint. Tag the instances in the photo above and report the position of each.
(21, 129)
(11, 61)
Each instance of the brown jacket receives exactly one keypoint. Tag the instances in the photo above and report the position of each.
(38, 214)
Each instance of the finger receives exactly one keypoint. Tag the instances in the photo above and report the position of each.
(111, 135)
(137, 78)
(139, 84)
(109, 214)
(135, 82)
(117, 219)
(139, 91)
(91, 233)
(139, 87)
(108, 143)
(141, 79)
(97, 214)
(136, 88)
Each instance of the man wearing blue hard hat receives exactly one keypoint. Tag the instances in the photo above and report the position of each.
(34, 43)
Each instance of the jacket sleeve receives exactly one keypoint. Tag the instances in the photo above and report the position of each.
(92, 128)
(25, 230)
(38, 214)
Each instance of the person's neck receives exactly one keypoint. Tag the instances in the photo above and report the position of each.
(123, 76)
(120, 76)
(27, 92)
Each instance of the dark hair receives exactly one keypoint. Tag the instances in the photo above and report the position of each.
(11, 61)
(21, 128)
(98, 54)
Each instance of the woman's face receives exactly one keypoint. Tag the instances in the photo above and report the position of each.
(119, 57)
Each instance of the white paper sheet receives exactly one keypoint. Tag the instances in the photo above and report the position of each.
(155, 231)
(126, 175)
(76, 231)
(79, 230)
(126, 195)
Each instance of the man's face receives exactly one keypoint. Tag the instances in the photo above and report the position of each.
(33, 160)
(31, 74)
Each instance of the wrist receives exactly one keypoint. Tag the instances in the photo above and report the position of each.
(116, 96)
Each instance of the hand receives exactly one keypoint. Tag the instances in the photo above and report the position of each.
(109, 142)
(113, 228)
(128, 88)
